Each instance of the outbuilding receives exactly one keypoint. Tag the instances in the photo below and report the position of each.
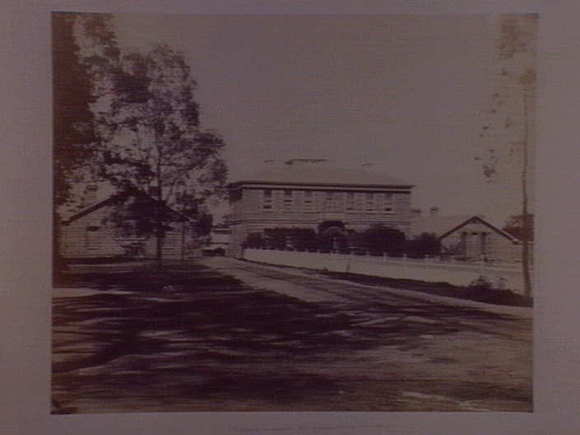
(114, 227)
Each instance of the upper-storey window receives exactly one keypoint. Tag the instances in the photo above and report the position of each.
(337, 201)
(267, 199)
(370, 202)
(349, 206)
(308, 200)
(359, 198)
(288, 199)
(327, 201)
(387, 201)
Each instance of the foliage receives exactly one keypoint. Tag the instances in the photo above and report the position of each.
(515, 226)
(507, 133)
(380, 238)
(131, 215)
(303, 239)
(254, 240)
(204, 223)
(424, 245)
(148, 134)
(294, 238)
(276, 238)
(148, 123)
(331, 238)
(73, 93)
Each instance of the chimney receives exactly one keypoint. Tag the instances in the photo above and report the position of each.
(90, 196)
(434, 211)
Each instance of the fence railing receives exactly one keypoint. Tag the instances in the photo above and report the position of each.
(430, 269)
(366, 255)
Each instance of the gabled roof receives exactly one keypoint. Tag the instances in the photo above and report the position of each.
(477, 219)
(437, 225)
(118, 198)
(321, 175)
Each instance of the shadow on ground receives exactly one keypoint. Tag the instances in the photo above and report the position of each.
(189, 333)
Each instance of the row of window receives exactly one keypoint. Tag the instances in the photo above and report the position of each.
(312, 201)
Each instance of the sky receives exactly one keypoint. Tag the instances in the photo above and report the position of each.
(408, 94)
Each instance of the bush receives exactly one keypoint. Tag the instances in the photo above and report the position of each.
(254, 240)
(481, 283)
(301, 239)
(422, 246)
(380, 238)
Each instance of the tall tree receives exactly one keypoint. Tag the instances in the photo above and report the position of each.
(508, 134)
(150, 137)
(73, 92)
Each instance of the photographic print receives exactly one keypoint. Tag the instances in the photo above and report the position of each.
(293, 213)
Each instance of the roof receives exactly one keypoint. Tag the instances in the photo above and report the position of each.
(78, 202)
(443, 226)
(322, 175)
(437, 225)
(116, 198)
(482, 221)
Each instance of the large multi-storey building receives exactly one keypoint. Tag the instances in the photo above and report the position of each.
(300, 194)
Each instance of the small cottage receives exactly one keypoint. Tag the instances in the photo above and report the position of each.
(469, 238)
(121, 226)
(475, 238)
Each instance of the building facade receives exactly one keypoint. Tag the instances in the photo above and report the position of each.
(469, 238)
(218, 241)
(476, 239)
(302, 195)
(91, 232)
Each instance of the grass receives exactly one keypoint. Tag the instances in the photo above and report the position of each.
(475, 293)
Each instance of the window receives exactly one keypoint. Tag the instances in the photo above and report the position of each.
(288, 200)
(267, 199)
(359, 201)
(484, 243)
(387, 201)
(338, 203)
(92, 238)
(350, 201)
(308, 201)
(370, 203)
(328, 201)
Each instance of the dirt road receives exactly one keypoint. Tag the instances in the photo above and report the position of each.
(226, 335)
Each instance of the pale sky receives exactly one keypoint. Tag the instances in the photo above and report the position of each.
(406, 93)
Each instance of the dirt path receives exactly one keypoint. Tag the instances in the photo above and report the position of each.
(452, 354)
(231, 336)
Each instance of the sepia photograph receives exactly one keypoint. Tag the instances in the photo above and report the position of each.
(293, 213)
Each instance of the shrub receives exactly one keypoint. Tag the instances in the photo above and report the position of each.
(423, 245)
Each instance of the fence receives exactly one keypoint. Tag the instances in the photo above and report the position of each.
(429, 269)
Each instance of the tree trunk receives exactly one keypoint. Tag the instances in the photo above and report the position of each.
(57, 261)
(159, 217)
(526, 259)
(525, 217)
(159, 242)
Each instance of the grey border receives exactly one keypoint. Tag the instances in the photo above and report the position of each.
(25, 122)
